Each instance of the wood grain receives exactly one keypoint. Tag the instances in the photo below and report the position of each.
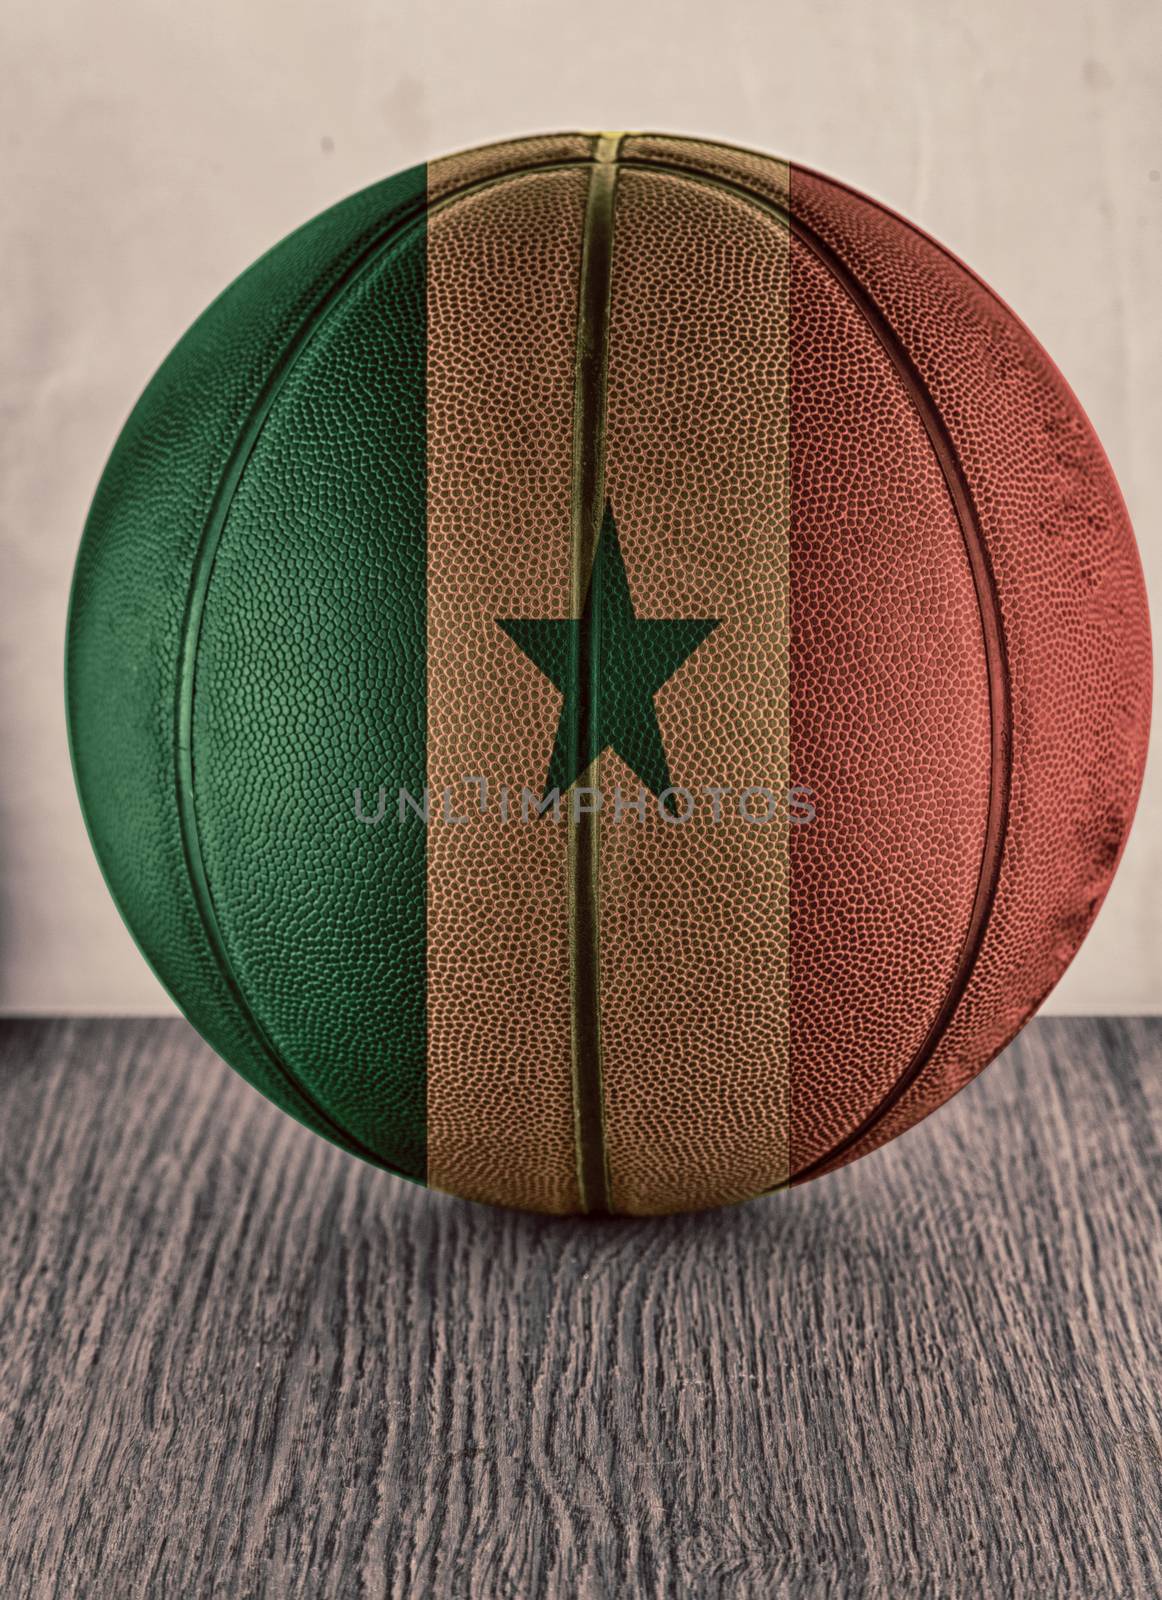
(234, 1361)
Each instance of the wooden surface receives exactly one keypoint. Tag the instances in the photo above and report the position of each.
(234, 1361)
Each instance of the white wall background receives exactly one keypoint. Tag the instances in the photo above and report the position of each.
(152, 149)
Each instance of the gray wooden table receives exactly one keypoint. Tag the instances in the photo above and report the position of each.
(234, 1361)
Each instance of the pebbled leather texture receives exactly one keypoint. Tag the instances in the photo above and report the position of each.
(813, 426)
(503, 300)
(696, 916)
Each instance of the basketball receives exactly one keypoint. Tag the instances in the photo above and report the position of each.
(608, 673)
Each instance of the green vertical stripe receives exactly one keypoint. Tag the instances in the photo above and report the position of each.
(303, 674)
(405, 867)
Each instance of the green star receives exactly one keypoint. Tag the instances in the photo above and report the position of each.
(608, 663)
